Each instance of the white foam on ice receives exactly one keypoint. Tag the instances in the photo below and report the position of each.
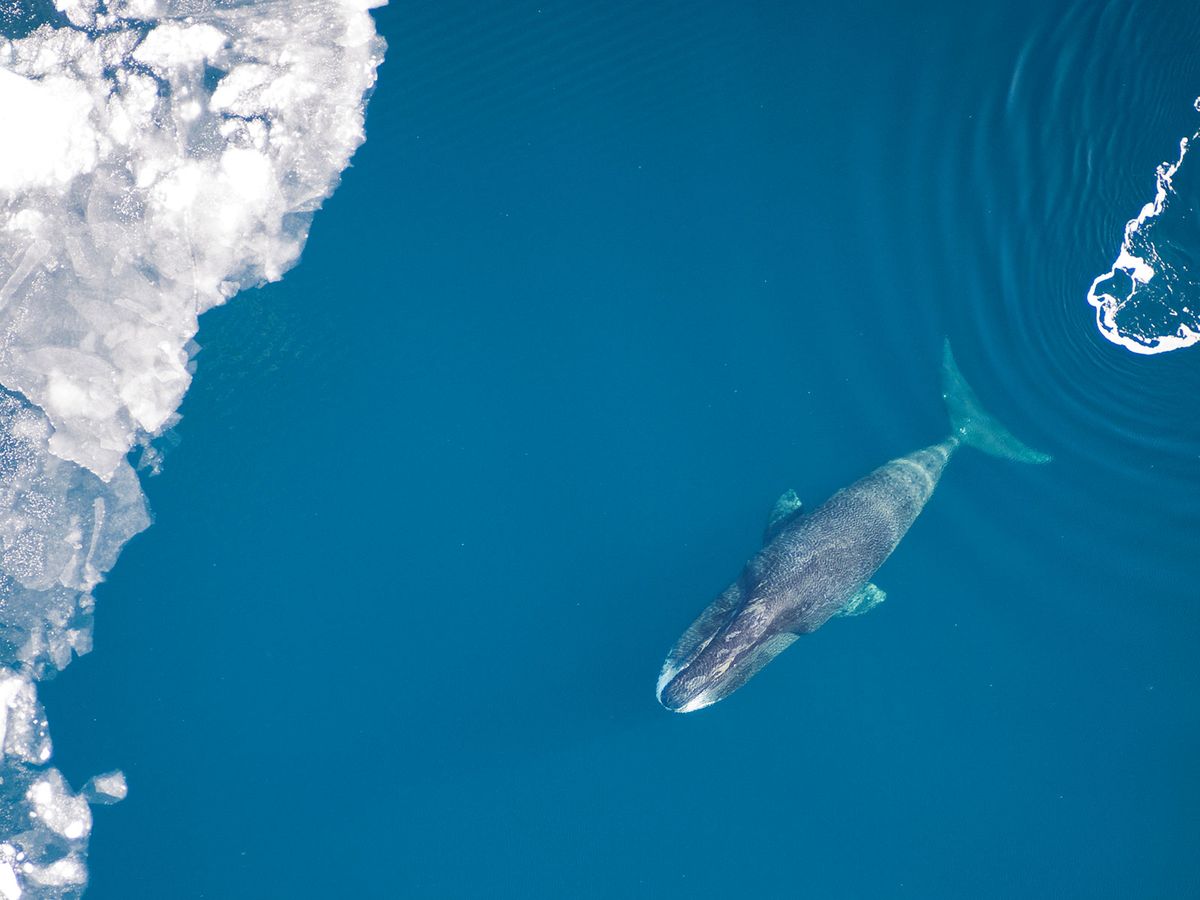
(1149, 301)
(158, 156)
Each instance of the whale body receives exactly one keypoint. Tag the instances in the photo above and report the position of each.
(814, 566)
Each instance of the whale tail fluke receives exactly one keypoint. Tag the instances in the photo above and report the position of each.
(973, 425)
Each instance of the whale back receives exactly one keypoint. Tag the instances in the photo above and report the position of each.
(900, 489)
(818, 563)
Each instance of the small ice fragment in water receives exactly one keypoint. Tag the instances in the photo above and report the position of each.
(1149, 301)
(106, 789)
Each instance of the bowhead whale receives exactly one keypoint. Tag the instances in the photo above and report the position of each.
(814, 566)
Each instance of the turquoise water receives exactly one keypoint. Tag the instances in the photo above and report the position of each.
(603, 282)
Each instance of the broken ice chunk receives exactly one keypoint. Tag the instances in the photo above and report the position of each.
(106, 789)
(59, 810)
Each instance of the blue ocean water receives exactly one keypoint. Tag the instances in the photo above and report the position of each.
(603, 282)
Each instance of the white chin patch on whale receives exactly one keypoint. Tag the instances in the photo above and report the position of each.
(668, 673)
(1149, 301)
(698, 702)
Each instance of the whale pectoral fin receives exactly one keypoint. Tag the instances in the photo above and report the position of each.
(866, 599)
(786, 510)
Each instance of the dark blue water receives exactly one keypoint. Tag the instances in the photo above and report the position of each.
(603, 282)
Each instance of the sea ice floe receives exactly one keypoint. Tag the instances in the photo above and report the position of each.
(159, 167)
(157, 157)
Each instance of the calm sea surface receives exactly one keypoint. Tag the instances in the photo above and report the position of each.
(605, 280)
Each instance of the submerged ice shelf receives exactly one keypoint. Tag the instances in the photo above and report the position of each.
(159, 156)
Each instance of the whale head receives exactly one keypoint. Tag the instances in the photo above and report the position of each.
(683, 693)
(723, 665)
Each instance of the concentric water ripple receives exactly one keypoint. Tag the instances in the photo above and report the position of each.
(1079, 115)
